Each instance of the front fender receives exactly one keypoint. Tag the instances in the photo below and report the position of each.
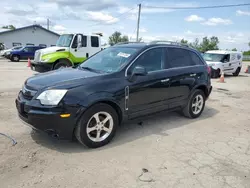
(53, 57)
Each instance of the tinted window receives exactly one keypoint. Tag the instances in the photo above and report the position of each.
(178, 57)
(151, 60)
(28, 49)
(29, 44)
(195, 58)
(94, 41)
(84, 41)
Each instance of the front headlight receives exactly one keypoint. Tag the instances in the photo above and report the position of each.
(51, 97)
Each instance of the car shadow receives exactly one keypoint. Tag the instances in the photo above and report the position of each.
(157, 124)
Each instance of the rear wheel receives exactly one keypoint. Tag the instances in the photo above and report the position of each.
(195, 104)
(97, 126)
(15, 58)
(62, 64)
(237, 72)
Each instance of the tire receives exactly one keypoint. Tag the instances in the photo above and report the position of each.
(237, 72)
(62, 64)
(15, 58)
(88, 123)
(189, 111)
(216, 73)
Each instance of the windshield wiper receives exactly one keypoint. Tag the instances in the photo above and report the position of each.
(89, 69)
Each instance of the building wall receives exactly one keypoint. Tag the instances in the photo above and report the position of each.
(28, 35)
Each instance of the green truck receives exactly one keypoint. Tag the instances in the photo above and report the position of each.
(70, 50)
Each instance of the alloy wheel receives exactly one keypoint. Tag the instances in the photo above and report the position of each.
(99, 126)
(197, 104)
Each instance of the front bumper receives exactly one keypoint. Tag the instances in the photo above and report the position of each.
(47, 119)
(41, 67)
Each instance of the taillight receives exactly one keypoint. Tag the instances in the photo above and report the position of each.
(209, 70)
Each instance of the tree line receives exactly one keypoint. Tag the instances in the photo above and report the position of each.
(204, 45)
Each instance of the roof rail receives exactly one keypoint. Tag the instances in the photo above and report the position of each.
(120, 43)
(168, 42)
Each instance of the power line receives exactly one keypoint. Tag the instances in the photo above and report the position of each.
(201, 7)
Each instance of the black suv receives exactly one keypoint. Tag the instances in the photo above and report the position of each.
(119, 83)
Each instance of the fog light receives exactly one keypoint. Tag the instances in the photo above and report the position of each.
(65, 115)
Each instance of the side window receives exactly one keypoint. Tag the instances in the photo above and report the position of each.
(16, 44)
(152, 60)
(84, 41)
(226, 58)
(195, 58)
(94, 41)
(74, 44)
(178, 57)
(26, 49)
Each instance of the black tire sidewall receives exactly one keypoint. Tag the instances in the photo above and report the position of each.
(82, 125)
(237, 72)
(60, 64)
(196, 92)
(14, 59)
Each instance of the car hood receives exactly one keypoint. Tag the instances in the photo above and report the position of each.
(62, 78)
(53, 49)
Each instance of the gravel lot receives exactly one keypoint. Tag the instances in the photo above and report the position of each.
(167, 150)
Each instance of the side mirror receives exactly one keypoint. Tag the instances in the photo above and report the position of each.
(225, 61)
(139, 71)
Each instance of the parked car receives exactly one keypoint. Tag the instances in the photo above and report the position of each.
(228, 62)
(6, 53)
(24, 53)
(120, 83)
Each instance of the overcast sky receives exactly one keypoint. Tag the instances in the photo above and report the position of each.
(231, 25)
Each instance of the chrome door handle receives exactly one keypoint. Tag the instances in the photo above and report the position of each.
(165, 80)
(192, 74)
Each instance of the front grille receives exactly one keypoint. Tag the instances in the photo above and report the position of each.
(28, 94)
(37, 56)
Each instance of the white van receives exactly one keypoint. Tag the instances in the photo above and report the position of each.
(227, 62)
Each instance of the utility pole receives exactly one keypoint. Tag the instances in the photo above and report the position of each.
(138, 23)
(48, 24)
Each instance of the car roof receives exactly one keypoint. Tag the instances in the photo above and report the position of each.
(222, 52)
(149, 45)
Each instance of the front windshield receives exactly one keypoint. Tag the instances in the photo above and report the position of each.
(110, 60)
(213, 57)
(64, 40)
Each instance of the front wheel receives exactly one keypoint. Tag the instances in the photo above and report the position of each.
(195, 104)
(62, 64)
(97, 126)
(237, 72)
(15, 58)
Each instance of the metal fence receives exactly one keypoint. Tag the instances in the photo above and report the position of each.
(246, 58)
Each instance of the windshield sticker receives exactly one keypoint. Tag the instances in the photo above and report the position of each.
(121, 54)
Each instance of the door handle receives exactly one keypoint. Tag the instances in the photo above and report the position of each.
(165, 80)
(192, 74)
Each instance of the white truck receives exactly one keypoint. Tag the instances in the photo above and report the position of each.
(70, 50)
(227, 62)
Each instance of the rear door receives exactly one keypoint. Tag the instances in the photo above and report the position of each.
(184, 68)
(147, 94)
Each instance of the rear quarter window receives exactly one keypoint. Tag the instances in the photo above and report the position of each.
(94, 41)
(196, 60)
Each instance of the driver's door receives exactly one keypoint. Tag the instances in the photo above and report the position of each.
(147, 94)
(79, 48)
